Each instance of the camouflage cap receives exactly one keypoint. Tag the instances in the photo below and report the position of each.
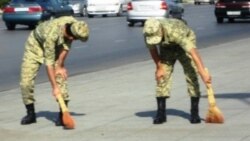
(80, 30)
(152, 31)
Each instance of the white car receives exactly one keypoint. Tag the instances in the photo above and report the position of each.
(125, 4)
(104, 8)
(141, 10)
(79, 6)
(197, 2)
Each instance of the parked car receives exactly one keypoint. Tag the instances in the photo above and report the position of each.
(79, 7)
(232, 9)
(124, 4)
(141, 10)
(198, 2)
(31, 12)
(104, 8)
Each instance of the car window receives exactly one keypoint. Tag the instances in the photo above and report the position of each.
(21, 1)
(75, 0)
(235, 0)
(146, 0)
(42, 1)
(62, 2)
(176, 1)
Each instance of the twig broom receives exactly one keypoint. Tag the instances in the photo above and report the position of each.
(67, 119)
(214, 115)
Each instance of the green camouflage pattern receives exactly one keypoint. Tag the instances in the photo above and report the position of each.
(49, 35)
(175, 31)
(176, 41)
(42, 47)
(152, 31)
(29, 71)
(80, 30)
(169, 55)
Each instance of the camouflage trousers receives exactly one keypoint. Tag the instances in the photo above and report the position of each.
(29, 70)
(169, 56)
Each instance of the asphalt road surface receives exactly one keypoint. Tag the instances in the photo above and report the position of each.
(112, 43)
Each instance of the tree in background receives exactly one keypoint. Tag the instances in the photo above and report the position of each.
(3, 3)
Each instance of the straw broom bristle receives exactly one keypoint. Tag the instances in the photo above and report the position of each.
(214, 115)
(68, 121)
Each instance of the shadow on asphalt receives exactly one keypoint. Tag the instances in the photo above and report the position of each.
(238, 21)
(52, 116)
(244, 97)
(169, 112)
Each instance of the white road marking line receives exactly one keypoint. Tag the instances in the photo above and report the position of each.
(119, 41)
(78, 47)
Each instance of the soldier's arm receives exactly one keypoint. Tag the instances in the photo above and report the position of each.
(49, 61)
(189, 45)
(160, 72)
(155, 56)
(200, 66)
(60, 69)
(62, 57)
(52, 77)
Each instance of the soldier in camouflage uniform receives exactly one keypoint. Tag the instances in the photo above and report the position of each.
(176, 41)
(49, 44)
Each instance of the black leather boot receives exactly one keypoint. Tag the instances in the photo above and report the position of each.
(161, 111)
(195, 118)
(59, 120)
(31, 115)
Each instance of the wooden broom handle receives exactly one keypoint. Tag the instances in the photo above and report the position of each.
(210, 92)
(62, 103)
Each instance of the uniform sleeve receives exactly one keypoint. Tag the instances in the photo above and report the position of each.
(67, 45)
(147, 45)
(189, 41)
(49, 51)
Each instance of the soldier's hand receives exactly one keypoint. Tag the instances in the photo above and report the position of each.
(159, 74)
(206, 77)
(62, 72)
(56, 92)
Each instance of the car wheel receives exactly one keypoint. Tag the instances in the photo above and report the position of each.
(52, 17)
(142, 23)
(71, 13)
(10, 26)
(105, 15)
(231, 20)
(83, 12)
(32, 27)
(90, 16)
(130, 24)
(219, 20)
(119, 12)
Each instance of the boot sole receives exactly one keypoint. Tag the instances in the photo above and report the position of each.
(28, 123)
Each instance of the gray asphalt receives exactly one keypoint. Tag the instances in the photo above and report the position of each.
(118, 104)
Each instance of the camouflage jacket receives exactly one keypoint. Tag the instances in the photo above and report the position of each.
(50, 38)
(177, 32)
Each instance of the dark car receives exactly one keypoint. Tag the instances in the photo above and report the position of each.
(232, 9)
(198, 2)
(31, 12)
